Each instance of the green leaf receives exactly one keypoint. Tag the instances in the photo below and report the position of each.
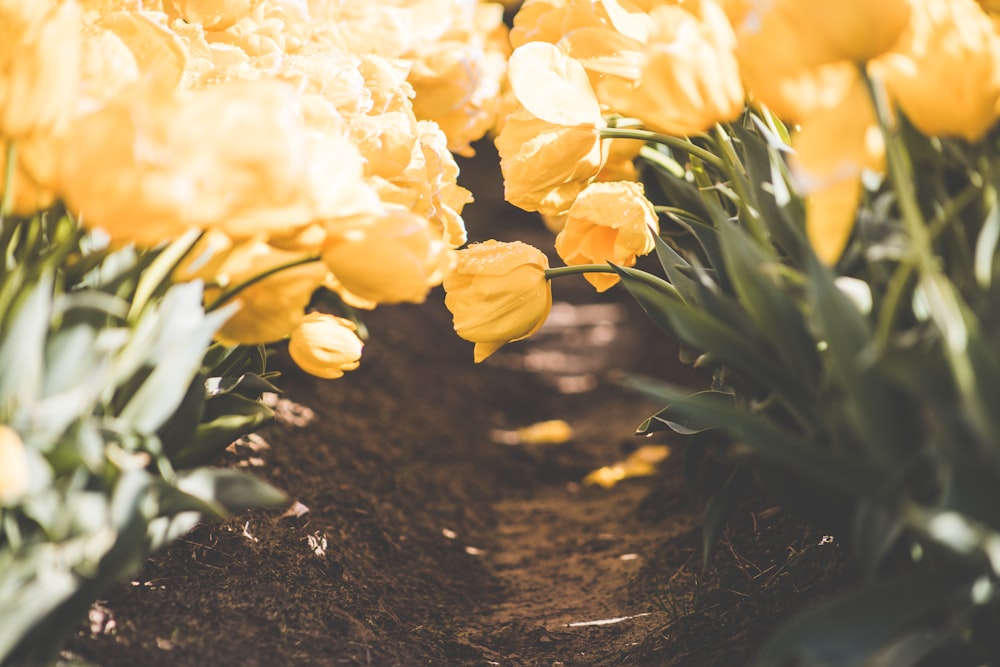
(781, 448)
(846, 631)
(767, 303)
(846, 334)
(22, 348)
(232, 490)
(670, 419)
(736, 343)
(227, 418)
(720, 507)
(674, 267)
(183, 332)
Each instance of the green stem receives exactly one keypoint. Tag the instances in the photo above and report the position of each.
(239, 287)
(665, 139)
(648, 278)
(7, 204)
(737, 177)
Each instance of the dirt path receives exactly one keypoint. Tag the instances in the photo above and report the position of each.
(428, 541)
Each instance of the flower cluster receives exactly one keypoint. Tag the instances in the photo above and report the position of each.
(594, 80)
(309, 142)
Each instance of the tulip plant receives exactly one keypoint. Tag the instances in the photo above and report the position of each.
(183, 182)
(819, 184)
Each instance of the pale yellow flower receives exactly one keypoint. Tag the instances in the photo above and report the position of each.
(945, 71)
(457, 78)
(551, 149)
(237, 156)
(608, 222)
(552, 20)
(497, 294)
(13, 466)
(325, 346)
(214, 14)
(107, 66)
(394, 258)
(40, 46)
(271, 307)
(160, 54)
(273, 27)
(689, 79)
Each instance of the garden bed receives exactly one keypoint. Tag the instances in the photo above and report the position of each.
(428, 540)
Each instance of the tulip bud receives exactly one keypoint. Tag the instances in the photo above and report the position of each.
(498, 293)
(13, 466)
(325, 346)
(608, 222)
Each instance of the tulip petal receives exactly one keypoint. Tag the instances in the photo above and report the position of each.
(552, 86)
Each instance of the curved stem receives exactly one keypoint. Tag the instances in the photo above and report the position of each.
(648, 278)
(228, 294)
(665, 139)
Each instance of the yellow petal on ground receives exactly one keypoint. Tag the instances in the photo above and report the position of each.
(552, 86)
(158, 51)
(551, 432)
(640, 463)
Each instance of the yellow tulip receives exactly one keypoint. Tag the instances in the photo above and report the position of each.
(689, 80)
(13, 466)
(325, 346)
(498, 293)
(608, 222)
(550, 149)
(791, 34)
(832, 148)
(237, 156)
(271, 307)
(394, 258)
(40, 46)
(945, 71)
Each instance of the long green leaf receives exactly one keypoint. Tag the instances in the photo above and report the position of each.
(779, 447)
(849, 629)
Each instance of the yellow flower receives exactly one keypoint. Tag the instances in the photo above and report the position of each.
(214, 14)
(13, 466)
(457, 77)
(551, 148)
(271, 307)
(498, 293)
(552, 20)
(159, 53)
(39, 65)
(236, 156)
(325, 346)
(394, 258)
(608, 222)
(796, 34)
(689, 79)
(832, 148)
(29, 194)
(945, 71)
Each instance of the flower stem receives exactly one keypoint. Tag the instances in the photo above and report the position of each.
(648, 278)
(233, 291)
(7, 204)
(665, 139)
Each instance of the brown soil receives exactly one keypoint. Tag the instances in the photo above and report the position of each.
(428, 542)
